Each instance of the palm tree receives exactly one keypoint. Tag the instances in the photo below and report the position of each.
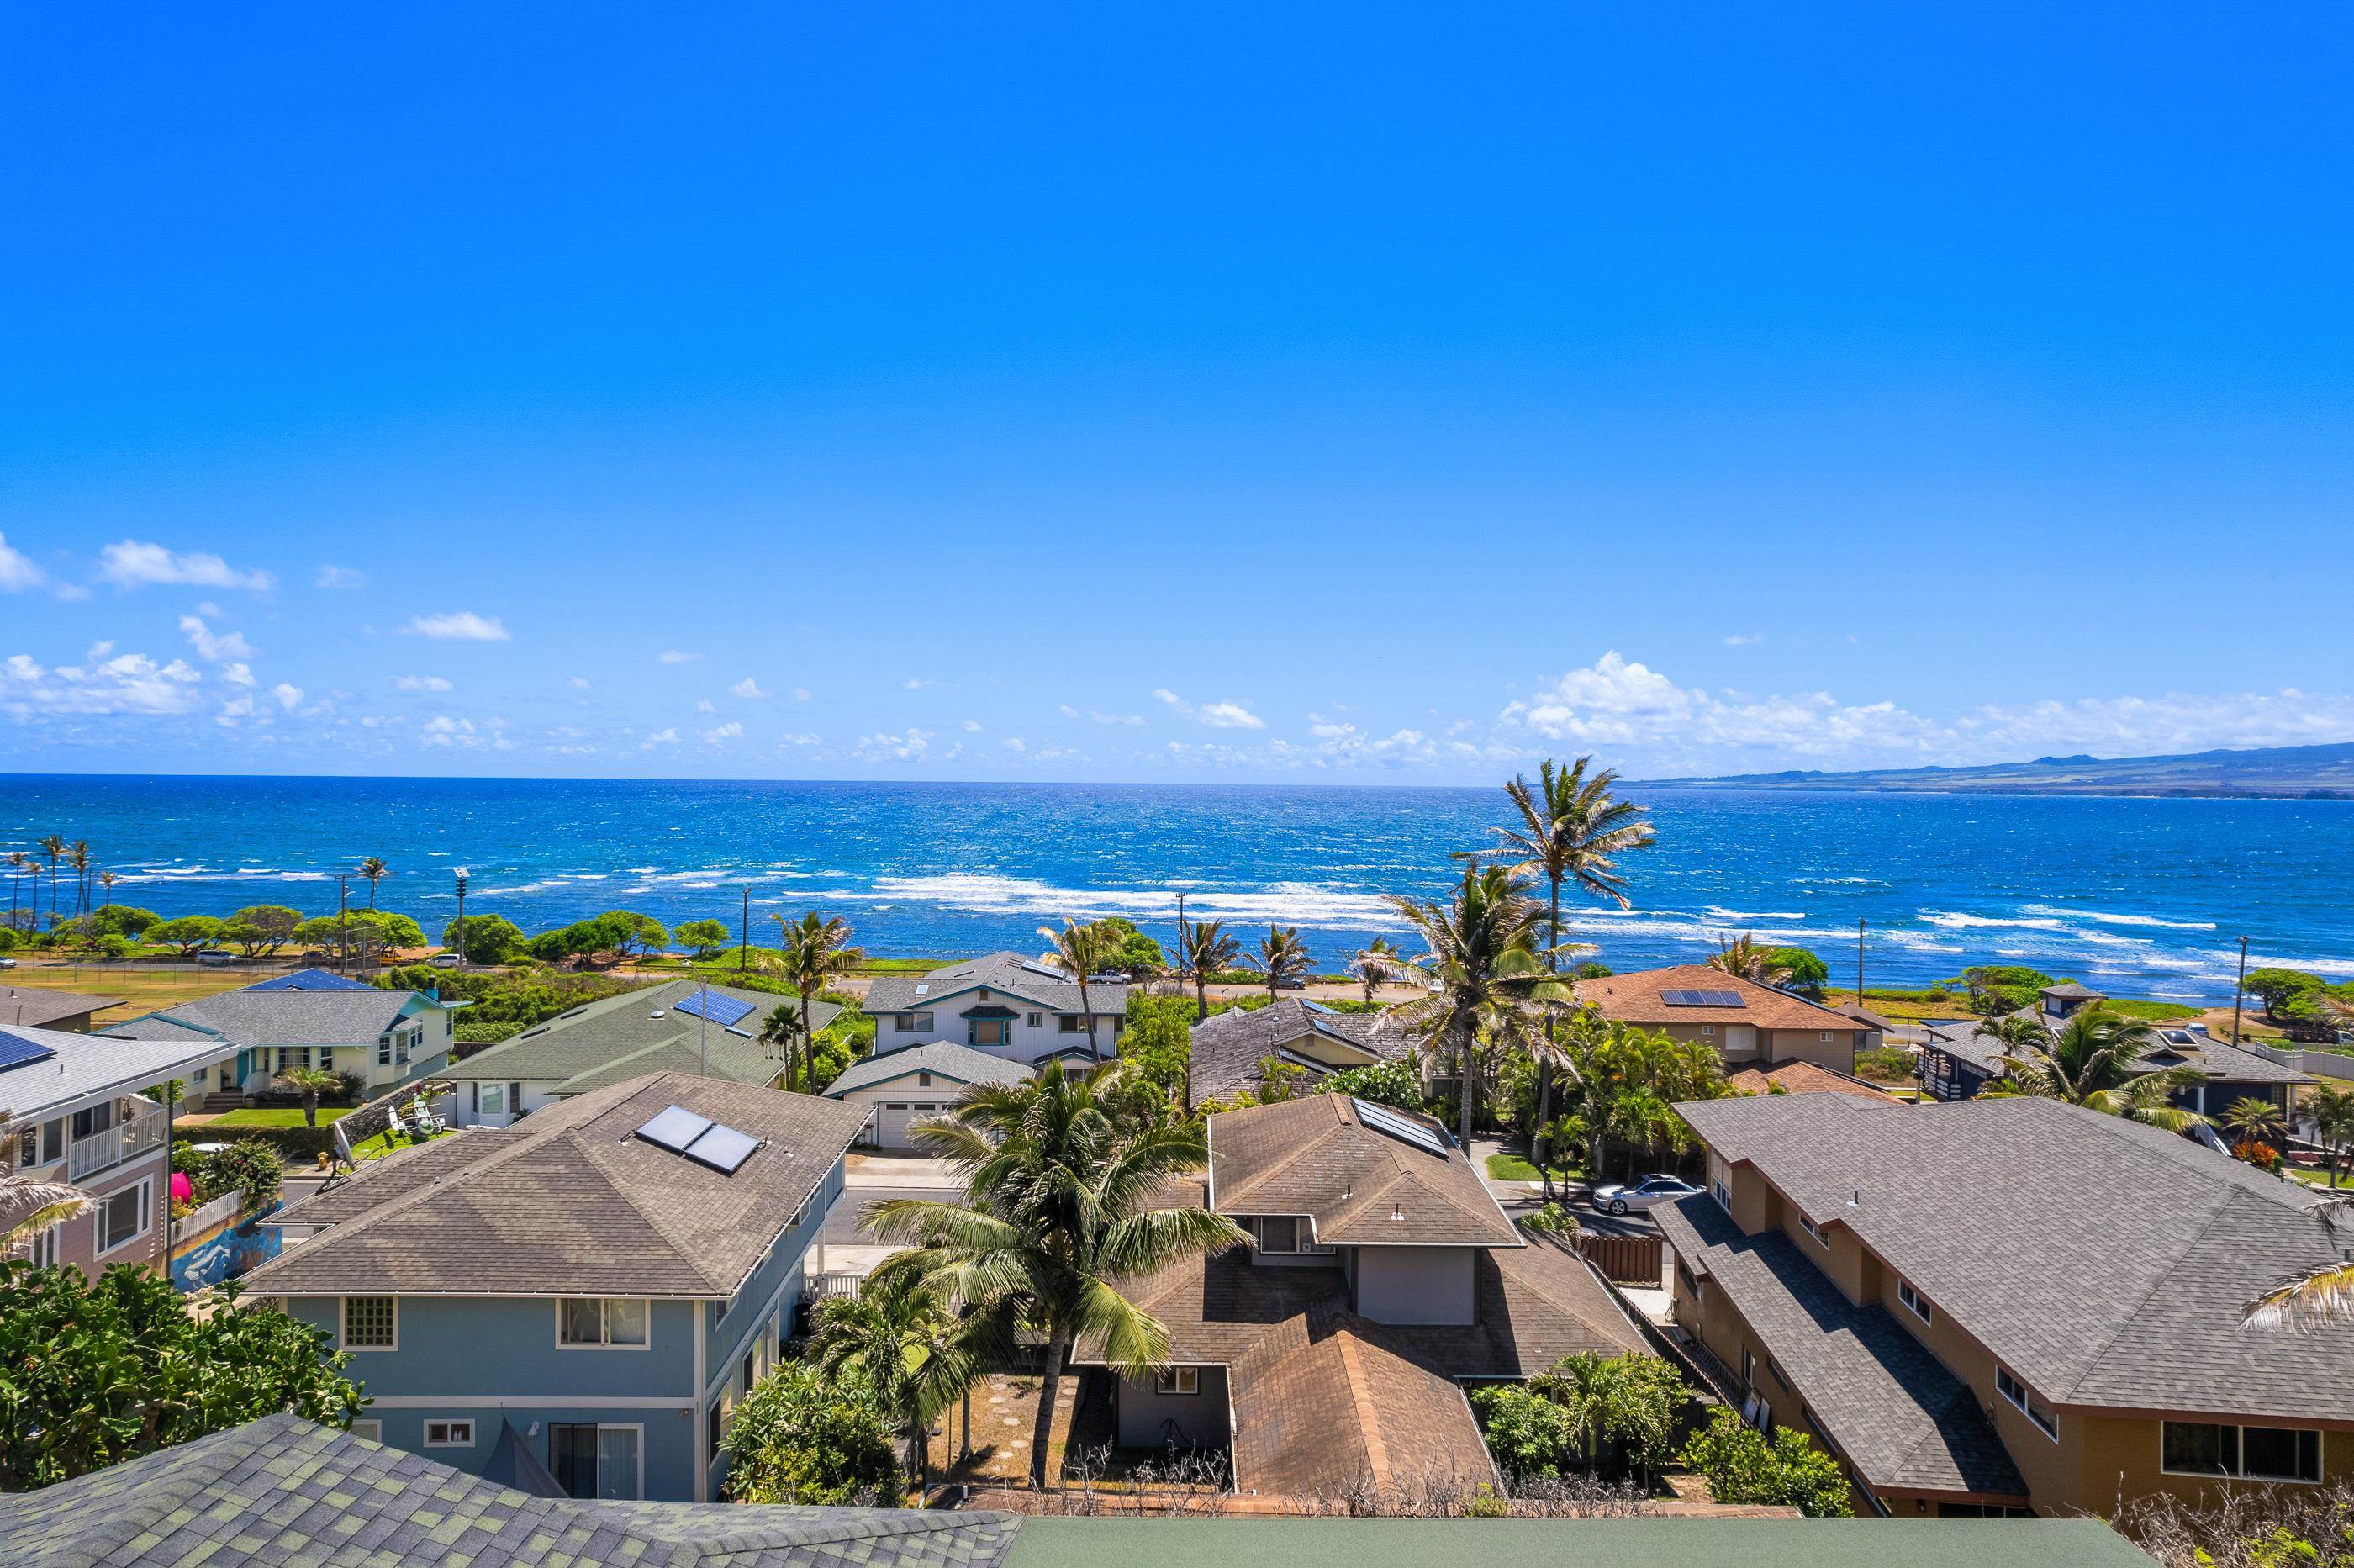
(373, 869)
(1491, 983)
(1081, 951)
(53, 849)
(17, 861)
(1281, 957)
(1375, 964)
(107, 879)
(1057, 1214)
(2093, 1060)
(311, 1082)
(2256, 1119)
(777, 1033)
(813, 954)
(1742, 955)
(1203, 949)
(900, 1336)
(78, 856)
(28, 1206)
(2322, 1297)
(2332, 1110)
(1571, 830)
(1624, 1083)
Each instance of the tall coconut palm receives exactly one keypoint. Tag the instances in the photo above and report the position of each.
(1282, 957)
(1082, 951)
(812, 953)
(1491, 983)
(17, 861)
(902, 1337)
(2332, 1110)
(778, 1031)
(1744, 957)
(373, 869)
(1375, 964)
(2321, 1297)
(106, 880)
(53, 850)
(1058, 1217)
(1205, 949)
(2094, 1059)
(1572, 829)
(78, 856)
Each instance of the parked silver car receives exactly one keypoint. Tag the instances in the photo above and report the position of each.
(1618, 1197)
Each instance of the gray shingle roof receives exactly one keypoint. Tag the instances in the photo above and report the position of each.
(601, 1033)
(1897, 1414)
(2218, 1059)
(1227, 1046)
(289, 1017)
(1312, 1156)
(86, 1064)
(285, 1492)
(942, 1058)
(2106, 1262)
(567, 1202)
(1000, 974)
(36, 1007)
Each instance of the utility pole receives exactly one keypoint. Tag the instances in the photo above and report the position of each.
(462, 921)
(1180, 945)
(703, 1033)
(1860, 925)
(744, 934)
(2240, 992)
(343, 924)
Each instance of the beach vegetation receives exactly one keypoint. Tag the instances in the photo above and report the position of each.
(1744, 957)
(1281, 959)
(2094, 1059)
(1157, 1045)
(1884, 1065)
(1374, 965)
(802, 1437)
(1802, 972)
(2274, 989)
(122, 920)
(1060, 1188)
(484, 938)
(2000, 987)
(1082, 951)
(702, 938)
(504, 1003)
(189, 933)
(1206, 950)
(260, 930)
(1133, 953)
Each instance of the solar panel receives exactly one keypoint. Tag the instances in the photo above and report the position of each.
(1047, 969)
(722, 1149)
(674, 1129)
(721, 1010)
(1382, 1120)
(1315, 1006)
(1701, 998)
(310, 979)
(16, 1051)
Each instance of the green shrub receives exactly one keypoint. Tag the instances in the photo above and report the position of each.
(490, 938)
(1741, 1467)
(1390, 1082)
(799, 1438)
(1530, 1436)
(1884, 1064)
(2000, 988)
(1550, 1219)
(1158, 1043)
(1803, 972)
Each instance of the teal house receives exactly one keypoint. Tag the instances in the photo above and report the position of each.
(308, 1018)
(578, 1302)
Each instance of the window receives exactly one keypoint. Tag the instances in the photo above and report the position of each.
(371, 1323)
(1812, 1229)
(1748, 1368)
(1776, 1367)
(1708, 1031)
(493, 1099)
(1720, 1181)
(593, 1461)
(42, 1250)
(2254, 1453)
(1070, 1023)
(449, 1435)
(1178, 1380)
(1915, 1302)
(29, 1148)
(1825, 1036)
(371, 1430)
(923, 1080)
(1278, 1234)
(384, 1051)
(2023, 1398)
(96, 1119)
(594, 1322)
(1035, 1020)
(326, 1058)
(121, 1218)
(915, 1022)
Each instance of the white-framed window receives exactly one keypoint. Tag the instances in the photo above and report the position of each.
(2252, 1452)
(1708, 1031)
(1915, 1302)
(449, 1433)
(371, 1323)
(493, 1099)
(590, 1459)
(602, 1323)
(915, 1023)
(120, 1218)
(1825, 1036)
(371, 1430)
(1177, 1380)
(1812, 1230)
(1720, 1181)
(384, 1050)
(1277, 1233)
(42, 1251)
(2022, 1399)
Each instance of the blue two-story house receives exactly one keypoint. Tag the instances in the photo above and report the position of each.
(604, 1280)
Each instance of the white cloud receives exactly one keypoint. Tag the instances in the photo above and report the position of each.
(721, 732)
(660, 738)
(290, 698)
(676, 656)
(916, 683)
(577, 683)
(800, 694)
(17, 572)
(971, 726)
(133, 563)
(419, 683)
(905, 747)
(340, 577)
(1745, 639)
(706, 705)
(1218, 716)
(457, 626)
(747, 687)
(1015, 743)
(238, 674)
(232, 711)
(1092, 717)
(800, 738)
(214, 647)
(123, 683)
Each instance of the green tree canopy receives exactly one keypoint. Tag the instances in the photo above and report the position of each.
(1158, 1043)
(2274, 989)
(705, 938)
(1390, 1082)
(802, 1437)
(490, 938)
(1802, 972)
(1743, 1466)
(260, 930)
(189, 932)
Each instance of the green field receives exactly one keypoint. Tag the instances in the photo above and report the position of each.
(142, 990)
(275, 1116)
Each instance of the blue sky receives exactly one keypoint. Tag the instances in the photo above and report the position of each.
(1002, 392)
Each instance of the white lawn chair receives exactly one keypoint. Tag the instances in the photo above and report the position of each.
(393, 1124)
(426, 1124)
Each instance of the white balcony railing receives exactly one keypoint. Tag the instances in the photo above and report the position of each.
(104, 1150)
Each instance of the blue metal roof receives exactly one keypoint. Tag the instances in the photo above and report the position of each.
(310, 979)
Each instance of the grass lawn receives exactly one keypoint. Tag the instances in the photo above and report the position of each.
(384, 1143)
(2343, 1181)
(142, 990)
(1512, 1168)
(276, 1115)
(1907, 1008)
(2155, 1012)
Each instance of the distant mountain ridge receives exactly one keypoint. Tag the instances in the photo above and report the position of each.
(2276, 772)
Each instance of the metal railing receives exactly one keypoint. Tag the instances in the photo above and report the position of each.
(125, 1140)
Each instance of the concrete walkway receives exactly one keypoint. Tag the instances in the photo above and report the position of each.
(898, 1170)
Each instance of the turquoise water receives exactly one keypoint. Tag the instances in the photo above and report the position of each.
(2147, 895)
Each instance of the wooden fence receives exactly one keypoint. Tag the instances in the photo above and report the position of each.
(1625, 1259)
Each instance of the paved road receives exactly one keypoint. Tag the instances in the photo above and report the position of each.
(1591, 1219)
(841, 1224)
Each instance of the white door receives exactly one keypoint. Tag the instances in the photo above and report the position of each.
(1741, 1040)
(895, 1116)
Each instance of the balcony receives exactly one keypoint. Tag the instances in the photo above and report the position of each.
(104, 1150)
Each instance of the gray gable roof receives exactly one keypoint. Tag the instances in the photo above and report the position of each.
(252, 1017)
(282, 1490)
(2218, 1059)
(87, 1064)
(941, 1058)
(2106, 1262)
(1227, 1046)
(579, 1044)
(567, 1202)
(1000, 974)
(36, 1007)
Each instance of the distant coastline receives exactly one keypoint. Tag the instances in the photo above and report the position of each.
(2269, 773)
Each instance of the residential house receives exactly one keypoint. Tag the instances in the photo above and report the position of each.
(1747, 1022)
(77, 1110)
(1330, 1354)
(899, 1088)
(282, 1490)
(31, 1007)
(309, 1018)
(1021, 1009)
(1230, 1049)
(609, 1275)
(2008, 1305)
(679, 1026)
(1805, 1078)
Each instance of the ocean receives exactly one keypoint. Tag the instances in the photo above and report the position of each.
(2141, 896)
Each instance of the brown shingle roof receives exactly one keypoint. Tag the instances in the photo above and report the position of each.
(1635, 998)
(1313, 1156)
(567, 1202)
(1805, 1078)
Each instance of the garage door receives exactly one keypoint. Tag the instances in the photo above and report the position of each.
(894, 1119)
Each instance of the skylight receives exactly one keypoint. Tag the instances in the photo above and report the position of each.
(699, 1138)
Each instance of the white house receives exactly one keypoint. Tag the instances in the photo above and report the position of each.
(1004, 1004)
(903, 1087)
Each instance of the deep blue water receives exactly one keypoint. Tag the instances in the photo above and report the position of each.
(2149, 895)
